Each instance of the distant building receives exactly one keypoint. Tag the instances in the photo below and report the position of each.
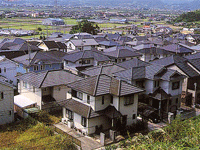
(118, 21)
(53, 21)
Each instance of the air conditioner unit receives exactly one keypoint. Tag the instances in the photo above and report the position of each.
(64, 120)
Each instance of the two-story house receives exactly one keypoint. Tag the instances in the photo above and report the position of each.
(79, 60)
(100, 102)
(81, 44)
(121, 53)
(41, 61)
(46, 87)
(6, 102)
(163, 87)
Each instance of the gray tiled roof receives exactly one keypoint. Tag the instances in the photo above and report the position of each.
(24, 59)
(177, 49)
(103, 84)
(77, 107)
(51, 44)
(132, 63)
(87, 54)
(169, 60)
(49, 78)
(84, 42)
(187, 69)
(122, 52)
(193, 56)
(142, 72)
(107, 69)
(195, 63)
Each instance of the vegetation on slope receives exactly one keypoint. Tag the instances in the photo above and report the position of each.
(177, 136)
(30, 134)
(189, 17)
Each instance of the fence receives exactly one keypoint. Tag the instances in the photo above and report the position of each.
(71, 138)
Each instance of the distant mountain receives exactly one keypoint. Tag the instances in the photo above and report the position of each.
(170, 4)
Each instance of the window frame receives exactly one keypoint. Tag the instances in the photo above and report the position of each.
(174, 86)
(83, 121)
(129, 100)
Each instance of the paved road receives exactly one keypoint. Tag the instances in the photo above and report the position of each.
(87, 143)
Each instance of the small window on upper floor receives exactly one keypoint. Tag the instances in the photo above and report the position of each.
(88, 99)
(1, 96)
(4, 69)
(129, 100)
(102, 100)
(35, 68)
(0, 70)
(50, 66)
(156, 83)
(83, 121)
(175, 85)
(42, 67)
(111, 99)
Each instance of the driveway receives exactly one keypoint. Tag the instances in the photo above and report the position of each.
(87, 143)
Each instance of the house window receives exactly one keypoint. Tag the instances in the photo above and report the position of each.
(128, 100)
(69, 114)
(176, 100)
(140, 84)
(80, 95)
(25, 84)
(134, 116)
(0, 70)
(83, 121)
(86, 62)
(170, 102)
(175, 85)
(33, 89)
(1, 95)
(102, 100)
(88, 99)
(50, 66)
(4, 69)
(35, 68)
(42, 67)
(10, 112)
(111, 99)
(156, 83)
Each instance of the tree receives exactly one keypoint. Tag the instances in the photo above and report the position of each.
(39, 29)
(85, 26)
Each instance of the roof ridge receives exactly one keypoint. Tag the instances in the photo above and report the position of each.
(44, 78)
(96, 84)
(119, 88)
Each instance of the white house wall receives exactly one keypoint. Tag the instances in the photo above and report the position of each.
(6, 105)
(59, 92)
(11, 70)
(184, 84)
(28, 92)
(129, 110)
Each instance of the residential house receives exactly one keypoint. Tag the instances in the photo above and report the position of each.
(121, 53)
(12, 50)
(193, 38)
(153, 53)
(79, 60)
(107, 69)
(52, 45)
(41, 61)
(6, 102)
(163, 87)
(100, 102)
(45, 88)
(183, 66)
(178, 49)
(9, 70)
(81, 44)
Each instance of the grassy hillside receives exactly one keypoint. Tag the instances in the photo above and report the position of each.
(29, 134)
(177, 136)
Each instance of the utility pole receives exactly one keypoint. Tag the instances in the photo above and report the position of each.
(56, 5)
